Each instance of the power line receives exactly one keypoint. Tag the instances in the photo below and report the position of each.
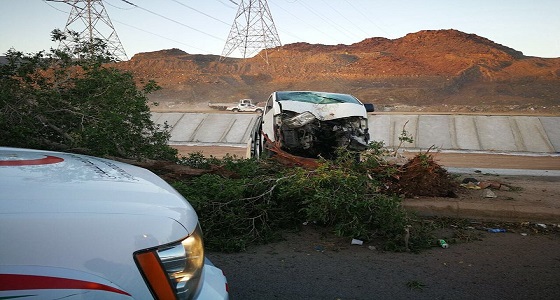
(334, 25)
(295, 16)
(161, 36)
(174, 21)
(200, 12)
(225, 4)
(344, 17)
(117, 7)
(60, 10)
(366, 17)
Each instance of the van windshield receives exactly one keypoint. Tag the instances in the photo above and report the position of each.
(317, 97)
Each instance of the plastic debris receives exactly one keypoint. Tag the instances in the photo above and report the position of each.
(473, 183)
(319, 248)
(496, 230)
(470, 185)
(357, 242)
(487, 193)
(541, 225)
(443, 244)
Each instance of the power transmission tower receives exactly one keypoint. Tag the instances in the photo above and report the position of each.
(252, 30)
(90, 20)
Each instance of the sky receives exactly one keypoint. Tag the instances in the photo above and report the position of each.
(202, 26)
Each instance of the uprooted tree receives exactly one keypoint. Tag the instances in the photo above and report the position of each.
(49, 100)
(246, 201)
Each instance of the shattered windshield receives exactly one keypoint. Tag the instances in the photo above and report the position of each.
(317, 97)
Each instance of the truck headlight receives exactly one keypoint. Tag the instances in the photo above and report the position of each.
(174, 271)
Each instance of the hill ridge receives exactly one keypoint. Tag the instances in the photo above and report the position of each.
(425, 68)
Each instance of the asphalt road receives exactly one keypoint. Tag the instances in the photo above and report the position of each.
(311, 266)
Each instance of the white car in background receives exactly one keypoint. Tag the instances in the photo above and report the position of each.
(312, 124)
(81, 227)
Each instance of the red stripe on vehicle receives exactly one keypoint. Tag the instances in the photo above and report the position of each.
(13, 282)
(31, 162)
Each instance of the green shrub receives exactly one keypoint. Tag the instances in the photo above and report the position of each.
(251, 201)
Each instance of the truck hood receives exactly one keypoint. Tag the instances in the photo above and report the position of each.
(43, 182)
(325, 112)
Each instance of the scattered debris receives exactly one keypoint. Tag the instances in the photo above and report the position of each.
(471, 185)
(475, 184)
(490, 184)
(319, 248)
(407, 237)
(443, 244)
(357, 242)
(487, 193)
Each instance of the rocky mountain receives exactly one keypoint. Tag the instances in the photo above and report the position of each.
(436, 70)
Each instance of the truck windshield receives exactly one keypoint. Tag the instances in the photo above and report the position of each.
(317, 97)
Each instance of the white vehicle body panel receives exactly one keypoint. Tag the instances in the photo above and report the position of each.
(312, 124)
(325, 112)
(72, 218)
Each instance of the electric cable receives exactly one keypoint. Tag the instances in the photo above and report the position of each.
(174, 21)
(200, 12)
(161, 36)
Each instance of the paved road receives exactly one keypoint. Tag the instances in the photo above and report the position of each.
(501, 266)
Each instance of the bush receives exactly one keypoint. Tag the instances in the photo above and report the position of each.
(251, 201)
(51, 101)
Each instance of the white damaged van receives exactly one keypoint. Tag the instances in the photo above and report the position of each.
(81, 227)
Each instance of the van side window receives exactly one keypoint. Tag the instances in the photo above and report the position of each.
(268, 104)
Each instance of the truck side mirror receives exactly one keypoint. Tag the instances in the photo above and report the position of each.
(369, 107)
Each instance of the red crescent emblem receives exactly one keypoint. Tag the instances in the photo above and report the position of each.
(31, 162)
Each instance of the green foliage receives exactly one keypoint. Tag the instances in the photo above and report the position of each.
(342, 195)
(404, 137)
(52, 101)
(250, 201)
(240, 210)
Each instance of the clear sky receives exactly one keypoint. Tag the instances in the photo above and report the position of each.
(202, 26)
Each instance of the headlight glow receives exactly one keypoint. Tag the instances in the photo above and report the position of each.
(179, 267)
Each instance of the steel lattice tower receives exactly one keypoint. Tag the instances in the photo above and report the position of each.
(90, 20)
(252, 30)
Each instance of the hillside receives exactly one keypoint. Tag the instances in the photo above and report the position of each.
(441, 70)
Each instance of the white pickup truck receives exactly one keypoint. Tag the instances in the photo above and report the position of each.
(81, 227)
(245, 105)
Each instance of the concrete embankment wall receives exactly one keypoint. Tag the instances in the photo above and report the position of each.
(524, 134)
(469, 132)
